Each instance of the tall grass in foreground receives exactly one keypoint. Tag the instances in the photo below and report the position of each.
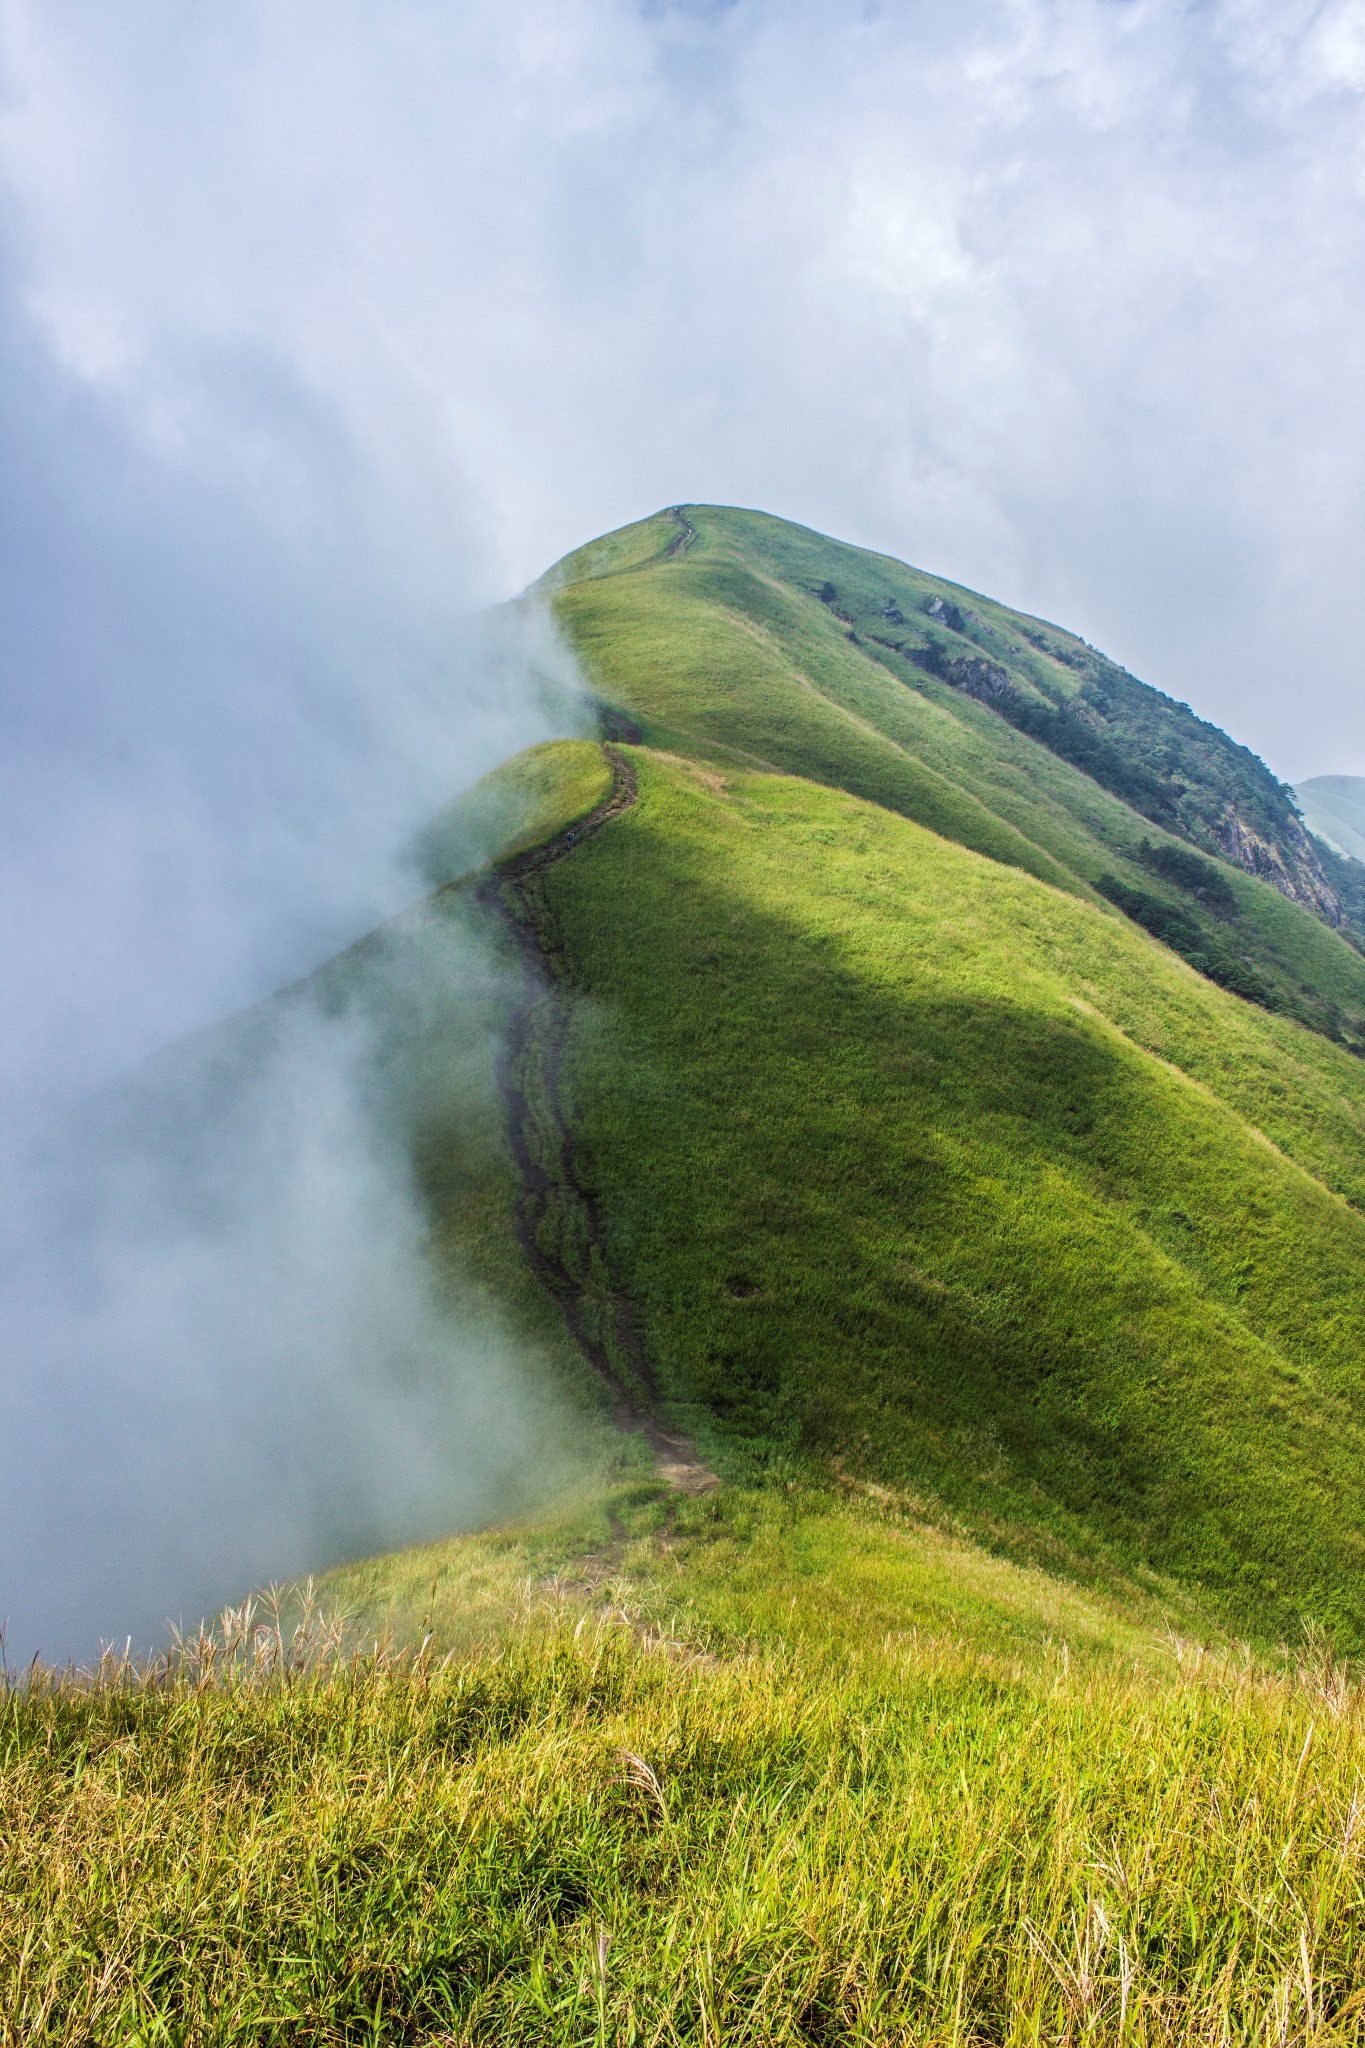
(589, 1836)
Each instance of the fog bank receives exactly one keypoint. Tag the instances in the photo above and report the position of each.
(231, 1356)
(231, 699)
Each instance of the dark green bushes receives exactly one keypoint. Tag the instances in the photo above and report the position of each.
(1183, 933)
(1189, 870)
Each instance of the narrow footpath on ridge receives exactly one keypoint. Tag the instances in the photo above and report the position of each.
(601, 1324)
(684, 536)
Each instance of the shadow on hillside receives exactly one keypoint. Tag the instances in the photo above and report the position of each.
(904, 1223)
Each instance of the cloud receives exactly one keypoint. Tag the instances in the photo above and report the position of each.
(1062, 297)
(238, 676)
(234, 1353)
(229, 700)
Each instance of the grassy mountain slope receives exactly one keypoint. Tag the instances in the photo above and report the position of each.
(923, 1172)
(1009, 1270)
(920, 1166)
(914, 1163)
(720, 627)
(756, 1769)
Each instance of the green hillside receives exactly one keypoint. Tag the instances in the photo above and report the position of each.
(753, 1769)
(841, 666)
(932, 1164)
(856, 1131)
(912, 1162)
(906, 1104)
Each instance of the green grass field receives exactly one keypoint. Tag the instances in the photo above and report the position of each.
(911, 1161)
(1009, 1272)
(769, 1767)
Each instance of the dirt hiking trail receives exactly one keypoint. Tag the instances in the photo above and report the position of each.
(539, 1024)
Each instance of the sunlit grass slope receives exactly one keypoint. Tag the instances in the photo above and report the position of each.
(826, 1571)
(914, 1163)
(711, 624)
(1010, 1273)
(763, 1768)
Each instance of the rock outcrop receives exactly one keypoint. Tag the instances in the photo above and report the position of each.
(1292, 868)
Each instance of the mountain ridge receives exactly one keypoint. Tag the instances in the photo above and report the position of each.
(973, 1169)
(1231, 810)
(712, 645)
(1072, 714)
(1335, 804)
(1030, 1037)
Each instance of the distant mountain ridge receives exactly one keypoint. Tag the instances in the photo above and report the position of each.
(1334, 809)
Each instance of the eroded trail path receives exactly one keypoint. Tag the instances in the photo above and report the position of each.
(559, 1224)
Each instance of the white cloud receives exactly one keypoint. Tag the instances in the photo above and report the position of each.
(1061, 296)
(229, 1358)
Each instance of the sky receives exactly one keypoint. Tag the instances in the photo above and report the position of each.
(1062, 298)
(323, 326)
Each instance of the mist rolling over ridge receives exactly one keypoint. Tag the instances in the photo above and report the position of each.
(751, 1161)
(231, 703)
(236, 1357)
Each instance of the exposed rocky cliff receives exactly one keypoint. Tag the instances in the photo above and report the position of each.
(1288, 862)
